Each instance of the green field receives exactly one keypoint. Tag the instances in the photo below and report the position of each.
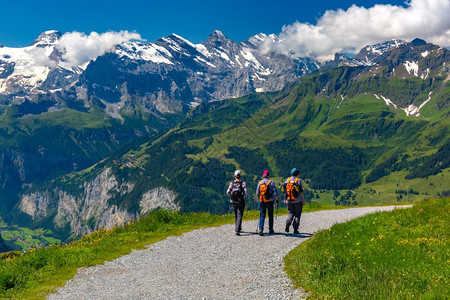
(403, 254)
(25, 238)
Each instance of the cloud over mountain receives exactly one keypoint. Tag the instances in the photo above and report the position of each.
(79, 48)
(352, 29)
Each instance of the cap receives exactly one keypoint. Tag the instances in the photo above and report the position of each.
(295, 172)
(266, 173)
(237, 173)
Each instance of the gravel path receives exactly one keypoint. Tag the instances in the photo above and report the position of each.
(209, 263)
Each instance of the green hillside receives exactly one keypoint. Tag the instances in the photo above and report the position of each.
(37, 146)
(350, 149)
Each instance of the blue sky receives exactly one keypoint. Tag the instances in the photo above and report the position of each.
(22, 21)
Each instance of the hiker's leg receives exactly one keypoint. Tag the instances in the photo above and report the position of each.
(236, 217)
(300, 213)
(270, 209)
(297, 213)
(262, 215)
(290, 216)
(239, 215)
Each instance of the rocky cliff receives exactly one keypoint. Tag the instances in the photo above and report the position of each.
(90, 210)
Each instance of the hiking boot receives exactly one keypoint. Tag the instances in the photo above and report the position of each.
(238, 233)
(261, 233)
(296, 231)
(271, 231)
(287, 228)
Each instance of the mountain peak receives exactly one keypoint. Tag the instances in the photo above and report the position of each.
(372, 52)
(418, 42)
(258, 39)
(217, 35)
(47, 37)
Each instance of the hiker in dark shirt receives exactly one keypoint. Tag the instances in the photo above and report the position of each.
(267, 194)
(294, 199)
(237, 191)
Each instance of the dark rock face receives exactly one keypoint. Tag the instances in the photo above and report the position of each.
(172, 74)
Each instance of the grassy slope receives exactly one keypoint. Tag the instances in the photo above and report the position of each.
(402, 254)
(344, 126)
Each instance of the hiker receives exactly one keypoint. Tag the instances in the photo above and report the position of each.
(237, 191)
(294, 199)
(267, 194)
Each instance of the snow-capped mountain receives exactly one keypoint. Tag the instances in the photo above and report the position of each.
(371, 53)
(367, 56)
(412, 67)
(172, 73)
(168, 75)
(36, 69)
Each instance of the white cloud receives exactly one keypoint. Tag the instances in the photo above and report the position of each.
(356, 27)
(79, 48)
(40, 57)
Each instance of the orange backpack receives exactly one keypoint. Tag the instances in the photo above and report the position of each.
(265, 194)
(292, 189)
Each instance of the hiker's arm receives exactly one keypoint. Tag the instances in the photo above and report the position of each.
(257, 190)
(229, 189)
(244, 186)
(303, 197)
(274, 191)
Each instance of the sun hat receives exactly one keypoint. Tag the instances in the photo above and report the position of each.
(266, 173)
(237, 173)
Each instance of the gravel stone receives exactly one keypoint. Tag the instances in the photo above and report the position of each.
(210, 263)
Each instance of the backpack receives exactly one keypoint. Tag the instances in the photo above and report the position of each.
(292, 189)
(237, 192)
(265, 193)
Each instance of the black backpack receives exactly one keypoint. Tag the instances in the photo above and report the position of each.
(237, 192)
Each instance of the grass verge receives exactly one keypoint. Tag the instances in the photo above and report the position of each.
(402, 254)
(39, 272)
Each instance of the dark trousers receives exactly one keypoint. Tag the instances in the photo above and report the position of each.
(295, 212)
(238, 214)
(263, 206)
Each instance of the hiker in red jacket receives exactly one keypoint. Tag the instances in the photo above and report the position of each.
(267, 194)
(294, 199)
(237, 191)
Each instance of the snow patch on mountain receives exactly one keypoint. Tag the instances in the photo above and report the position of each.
(425, 54)
(146, 52)
(203, 50)
(412, 67)
(425, 76)
(411, 110)
(388, 101)
(30, 66)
